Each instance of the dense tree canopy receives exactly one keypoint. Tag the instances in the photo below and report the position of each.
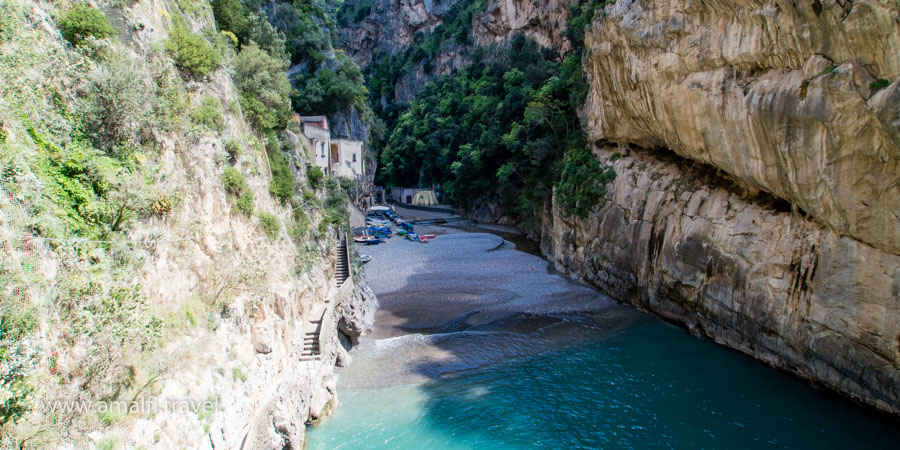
(499, 128)
(505, 127)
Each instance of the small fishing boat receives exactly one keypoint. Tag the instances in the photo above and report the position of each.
(365, 258)
(385, 231)
(412, 236)
(427, 236)
(402, 232)
(366, 239)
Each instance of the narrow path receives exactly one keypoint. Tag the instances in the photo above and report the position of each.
(313, 331)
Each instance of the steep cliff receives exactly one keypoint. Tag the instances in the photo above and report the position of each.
(781, 95)
(677, 239)
(775, 229)
(163, 290)
(388, 28)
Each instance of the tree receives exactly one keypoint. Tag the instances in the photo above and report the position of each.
(265, 89)
(82, 22)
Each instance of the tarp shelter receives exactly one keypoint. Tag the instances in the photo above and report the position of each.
(424, 197)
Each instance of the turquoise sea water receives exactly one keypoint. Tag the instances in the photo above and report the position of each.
(651, 385)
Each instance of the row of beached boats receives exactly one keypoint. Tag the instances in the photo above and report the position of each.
(378, 228)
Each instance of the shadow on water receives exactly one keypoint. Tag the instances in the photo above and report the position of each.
(464, 362)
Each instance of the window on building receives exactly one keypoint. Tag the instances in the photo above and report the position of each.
(354, 157)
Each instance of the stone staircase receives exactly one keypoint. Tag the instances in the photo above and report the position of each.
(311, 334)
(313, 330)
(343, 264)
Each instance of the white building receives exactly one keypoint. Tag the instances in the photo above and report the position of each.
(347, 158)
(336, 157)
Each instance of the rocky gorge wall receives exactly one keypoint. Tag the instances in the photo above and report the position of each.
(392, 26)
(679, 240)
(779, 94)
(229, 299)
(775, 229)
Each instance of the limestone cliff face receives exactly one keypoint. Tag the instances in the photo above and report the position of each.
(544, 21)
(776, 229)
(775, 93)
(682, 242)
(392, 26)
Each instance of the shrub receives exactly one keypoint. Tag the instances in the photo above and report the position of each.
(582, 183)
(209, 114)
(114, 105)
(270, 224)
(238, 374)
(230, 16)
(82, 22)
(265, 89)
(282, 184)
(879, 84)
(233, 149)
(192, 53)
(235, 183)
(245, 203)
(315, 176)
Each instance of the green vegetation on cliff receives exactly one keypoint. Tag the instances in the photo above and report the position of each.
(300, 34)
(106, 151)
(504, 128)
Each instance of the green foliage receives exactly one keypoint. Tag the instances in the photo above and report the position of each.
(330, 91)
(114, 105)
(583, 182)
(234, 180)
(233, 149)
(236, 185)
(82, 22)
(265, 90)
(581, 14)
(270, 224)
(230, 16)
(336, 202)
(352, 12)
(282, 185)
(120, 325)
(506, 127)
(87, 188)
(496, 128)
(879, 84)
(209, 114)
(245, 203)
(192, 53)
(386, 69)
(315, 176)
(238, 373)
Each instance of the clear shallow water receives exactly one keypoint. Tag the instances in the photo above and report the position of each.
(651, 385)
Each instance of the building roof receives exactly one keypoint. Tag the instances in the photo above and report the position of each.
(319, 121)
(310, 118)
